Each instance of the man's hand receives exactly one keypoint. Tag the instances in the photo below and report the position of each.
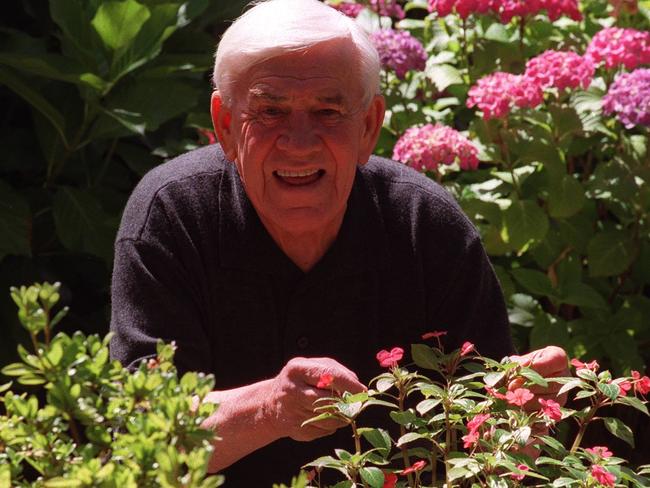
(549, 362)
(294, 391)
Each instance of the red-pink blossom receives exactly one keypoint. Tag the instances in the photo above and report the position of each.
(623, 386)
(325, 380)
(208, 135)
(388, 359)
(617, 46)
(602, 476)
(435, 333)
(497, 93)
(461, 7)
(491, 391)
(399, 51)
(551, 409)
(416, 466)
(519, 477)
(592, 365)
(390, 480)
(641, 383)
(560, 69)
(600, 451)
(387, 8)
(427, 147)
(470, 439)
(466, 348)
(557, 8)
(519, 396)
(477, 421)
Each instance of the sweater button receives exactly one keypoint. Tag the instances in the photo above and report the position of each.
(302, 342)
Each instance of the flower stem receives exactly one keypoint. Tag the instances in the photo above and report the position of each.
(402, 432)
(583, 428)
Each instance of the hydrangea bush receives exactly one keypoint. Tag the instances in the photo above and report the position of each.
(474, 422)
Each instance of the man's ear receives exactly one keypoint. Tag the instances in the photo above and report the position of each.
(221, 120)
(373, 121)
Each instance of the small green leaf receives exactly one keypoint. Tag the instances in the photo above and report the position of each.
(378, 438)
(423, 356)
(610, 253)
(534, 377)
(610, 390)
(118, 22)
(409, 437)
(619, 429)
(634, 403)
(444, 75)
(16, 369)
(426, 406)
(372, 476)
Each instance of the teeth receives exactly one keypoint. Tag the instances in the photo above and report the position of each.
(296, 174)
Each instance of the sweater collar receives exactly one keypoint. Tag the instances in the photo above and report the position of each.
(244, 242)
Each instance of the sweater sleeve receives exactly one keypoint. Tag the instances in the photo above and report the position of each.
(152, 299)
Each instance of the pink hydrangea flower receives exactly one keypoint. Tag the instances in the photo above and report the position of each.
(389, 359)
(560, 69)
(551, 409)
(557, 8)
(399, 50)
(616, 46)
(519, 396)
(387, 8)
(602, 476)
(519, 477)
(349, 9)
(518, 8)
(629, 98)
(461, 7)
(497, 93)
(600, 451)
(429, 146)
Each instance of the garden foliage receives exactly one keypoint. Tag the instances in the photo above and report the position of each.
(87, 421)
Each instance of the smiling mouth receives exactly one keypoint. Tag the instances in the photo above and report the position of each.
(299, 177)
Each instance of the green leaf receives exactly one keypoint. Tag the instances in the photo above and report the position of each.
(62, 483)
(427, 405)
(16, 369)
(534, 281)
(524, 224)
(619, 429)
(444, 75)
(118, 22)
(31, 95)
(634, 403)
(378, 438)
(15, 223)
(497, 32)
(423, 356)
(583, 295)
(372, 476)
(565, 197)
(409, 437)
(610, 253)
(534, 377)
(81, 223)
(610, 390)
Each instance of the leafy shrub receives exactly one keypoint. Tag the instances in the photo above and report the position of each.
(87, 421)
(472, 401)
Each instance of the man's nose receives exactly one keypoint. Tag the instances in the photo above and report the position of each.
(299, 135)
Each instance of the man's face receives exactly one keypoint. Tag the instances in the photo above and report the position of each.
(298, 128)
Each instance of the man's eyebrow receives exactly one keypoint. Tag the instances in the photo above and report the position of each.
(265, 95)
(333, 99)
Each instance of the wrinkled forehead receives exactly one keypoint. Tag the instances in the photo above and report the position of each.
(329, 71)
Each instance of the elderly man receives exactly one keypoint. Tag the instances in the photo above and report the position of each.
(289, 251)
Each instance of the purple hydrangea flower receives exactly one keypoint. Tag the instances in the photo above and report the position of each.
(629, 98)
(399, 51)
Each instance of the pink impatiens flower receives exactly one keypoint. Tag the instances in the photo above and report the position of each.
(427, 147)
(602, 476)
(416, 466)
(325, 381)
(493, 392)
(390, 480)
(640, 383)
(519, 397)
(466, 348)
(477, 421)
(600, 451)
(592, 365)
(389, 359)
(519, 477)
(435, 333)
(470, 439)
(551, 409)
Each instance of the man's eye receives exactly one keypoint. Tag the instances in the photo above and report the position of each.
(272, 112)
(328, 113)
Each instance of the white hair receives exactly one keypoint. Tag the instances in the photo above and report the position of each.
(273, 28)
